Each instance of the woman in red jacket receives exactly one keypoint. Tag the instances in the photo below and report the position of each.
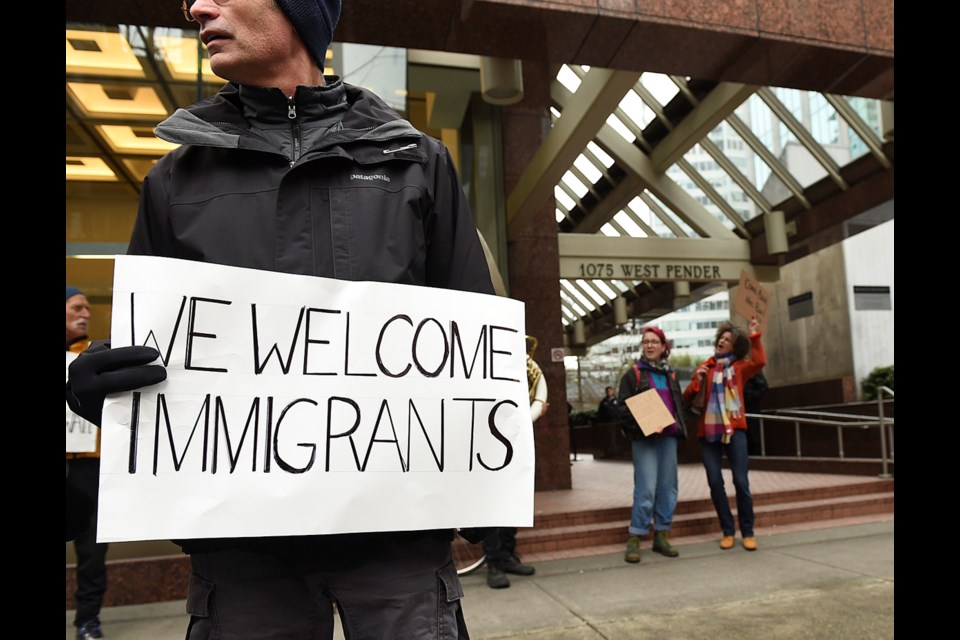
(723, 425)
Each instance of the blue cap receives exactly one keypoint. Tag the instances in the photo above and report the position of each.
(73, 291)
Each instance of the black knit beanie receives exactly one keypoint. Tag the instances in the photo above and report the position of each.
(315, 21)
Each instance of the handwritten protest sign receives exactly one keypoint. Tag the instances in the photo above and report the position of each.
(650, 412)
(81, 434)
(752, 300)
(302, 405)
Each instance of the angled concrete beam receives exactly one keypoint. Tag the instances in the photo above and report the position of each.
(810, 143)
(635, 161)
(599, 94)
(668, 191)
(712, 110)
(866, 133)
(621, 195)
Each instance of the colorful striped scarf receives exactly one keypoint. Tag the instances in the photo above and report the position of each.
(724, 404)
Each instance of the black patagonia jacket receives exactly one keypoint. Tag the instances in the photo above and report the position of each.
(330, 183)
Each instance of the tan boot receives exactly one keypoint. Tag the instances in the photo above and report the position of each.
(726, 542)
(633, 550)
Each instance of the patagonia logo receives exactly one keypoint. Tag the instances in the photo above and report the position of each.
(373, 176)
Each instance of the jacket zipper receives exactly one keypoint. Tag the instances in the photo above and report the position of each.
(294, 129)
(409, 146)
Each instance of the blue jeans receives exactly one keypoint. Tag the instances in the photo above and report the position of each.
(654, 484)
(712, 454)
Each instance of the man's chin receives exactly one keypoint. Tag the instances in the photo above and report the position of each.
(221, 65)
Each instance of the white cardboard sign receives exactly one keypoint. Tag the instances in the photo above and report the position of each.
(651, 414)
(300, 405)
(81, 434)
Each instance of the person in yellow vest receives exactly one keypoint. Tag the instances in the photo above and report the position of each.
(83, 473)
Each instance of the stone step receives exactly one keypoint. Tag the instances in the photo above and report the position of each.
(712, 538)
(608, 530)
(612, 514)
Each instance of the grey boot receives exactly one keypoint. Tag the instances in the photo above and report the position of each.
(633, 550)
(496, 578)
(662, 545)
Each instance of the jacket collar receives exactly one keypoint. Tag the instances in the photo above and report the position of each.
(219, 121)
(268, 106)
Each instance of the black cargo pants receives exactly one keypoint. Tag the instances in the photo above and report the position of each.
(385, 586)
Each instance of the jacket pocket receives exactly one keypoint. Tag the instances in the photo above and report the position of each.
(200, 606)
(370, 230)
(450, 623)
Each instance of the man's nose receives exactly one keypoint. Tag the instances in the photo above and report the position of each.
(204, 10)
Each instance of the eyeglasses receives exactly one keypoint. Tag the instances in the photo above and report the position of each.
(651, 343)
(185, 7)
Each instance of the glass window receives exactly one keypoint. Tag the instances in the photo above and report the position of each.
(587, 168)
(563, 198)
(574, 183)
(609, 231)
(601, 155)
(869, 111)
(628, 225)
(636, 109)
(620, 128)
(568, 79)
(662, 87)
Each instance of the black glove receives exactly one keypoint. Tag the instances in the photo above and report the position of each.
(101, 370)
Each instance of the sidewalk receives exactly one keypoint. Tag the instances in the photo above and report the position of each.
(827, 583)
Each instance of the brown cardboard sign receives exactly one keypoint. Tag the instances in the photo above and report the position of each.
(752, 300)
(649, 411)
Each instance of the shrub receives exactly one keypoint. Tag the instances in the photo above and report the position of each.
(681, 360)
(579, 418)
(881, 376)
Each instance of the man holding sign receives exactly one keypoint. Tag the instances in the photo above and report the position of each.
(288, 170)
(83, 480)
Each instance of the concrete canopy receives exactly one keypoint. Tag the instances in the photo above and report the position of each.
(719, 56)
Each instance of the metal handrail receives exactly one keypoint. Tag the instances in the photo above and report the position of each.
(802, 412)
(864, 421)
(831, 419)
(883, 430)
